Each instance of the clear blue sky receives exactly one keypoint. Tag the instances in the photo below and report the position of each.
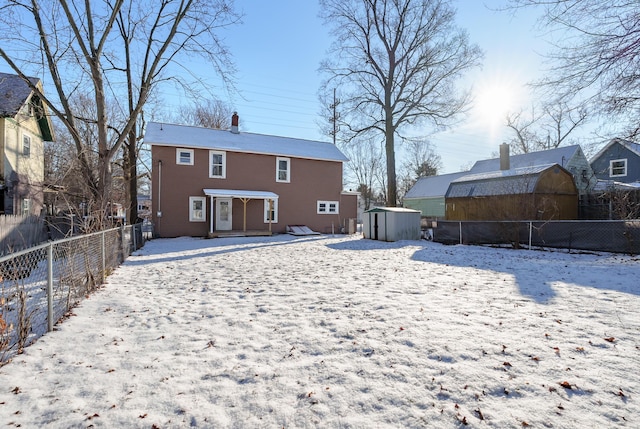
(278, 49)
(279, 46)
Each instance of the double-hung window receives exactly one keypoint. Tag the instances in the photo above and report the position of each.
(327, 207)
(283, 169)
(617, 167)
(217, 164)
(197, 209)
(184, 156)
(26, 145)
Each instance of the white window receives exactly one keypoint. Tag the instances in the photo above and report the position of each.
(270, 211)
(197, 209)
(26, 145)
(283, 170)
(184, 156)
(26, 206)
(217, 164)
(328, 207)
(617, 167)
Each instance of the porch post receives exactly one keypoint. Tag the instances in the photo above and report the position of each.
(212, 200)
(244, 221)
(270, 211)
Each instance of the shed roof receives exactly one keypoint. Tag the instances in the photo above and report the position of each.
(432, 186)
(392, 209)
(560, 155)
(501, 182)
(161, 134)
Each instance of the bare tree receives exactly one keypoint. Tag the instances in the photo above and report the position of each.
(210, 113)
(548, 130)
(82, 46)
(395, 63)
(364, 167)
(596, 54)
(421, 161)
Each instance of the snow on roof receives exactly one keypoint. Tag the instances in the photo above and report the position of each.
(609, 185)
(14, 93)
(501, 182)
(432, 186)
(632, 146)
(560, 155)
(161, 134)
(236, 193)
(392, 209)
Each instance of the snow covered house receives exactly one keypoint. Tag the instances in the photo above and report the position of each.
(427, 194)
(209, 182)
(24, 127)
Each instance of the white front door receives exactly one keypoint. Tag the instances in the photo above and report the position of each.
(223, 214)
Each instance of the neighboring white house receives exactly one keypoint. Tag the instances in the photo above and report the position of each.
(24, 127)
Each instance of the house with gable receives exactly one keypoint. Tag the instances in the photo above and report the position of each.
(208, 182)
(24, 127)
(618, 161)
(428, 194)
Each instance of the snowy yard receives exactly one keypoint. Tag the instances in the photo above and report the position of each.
(340, 332)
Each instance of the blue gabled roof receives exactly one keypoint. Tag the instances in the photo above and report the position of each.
(632, 146)
(560, 155)
(161, 134)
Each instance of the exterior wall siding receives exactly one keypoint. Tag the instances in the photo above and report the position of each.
(429, 207)
(617, 151)
(311, 180)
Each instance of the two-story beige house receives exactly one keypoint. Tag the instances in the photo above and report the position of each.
(208, 182)
(24, 127)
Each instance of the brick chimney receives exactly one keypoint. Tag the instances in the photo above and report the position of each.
(504, 157)
(234, 123)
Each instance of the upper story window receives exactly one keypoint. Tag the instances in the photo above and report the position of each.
(184, 156)
(617, 167)
(197, 209)
(283, 170)
(26, 145)
(328, 207)
(217, 164)
(26, 206)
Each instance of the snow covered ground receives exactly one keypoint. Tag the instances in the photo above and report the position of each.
(340, 332)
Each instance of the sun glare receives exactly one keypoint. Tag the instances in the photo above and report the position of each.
(493, 101)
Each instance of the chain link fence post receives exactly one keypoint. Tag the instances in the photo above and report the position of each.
(50, 315)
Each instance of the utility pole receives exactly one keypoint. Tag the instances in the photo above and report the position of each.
(335, 116)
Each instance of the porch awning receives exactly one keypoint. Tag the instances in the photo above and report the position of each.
(235, 193)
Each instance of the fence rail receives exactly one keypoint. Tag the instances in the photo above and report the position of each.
(605, 236)
(39, 285)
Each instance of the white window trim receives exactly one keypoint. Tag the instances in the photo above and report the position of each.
(26, 138)
(179, 161)
(224, 164)
(265, 211)
(288, 161)
(624, 160)
(192, 212)
(327, 205)
(26, 206)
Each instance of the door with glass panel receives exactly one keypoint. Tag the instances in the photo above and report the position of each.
(223, 214)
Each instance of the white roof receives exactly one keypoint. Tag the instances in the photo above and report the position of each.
(239, 193)
(161, 134)
(560, 155)
(432, 186)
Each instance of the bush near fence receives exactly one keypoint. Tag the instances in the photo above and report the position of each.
(605, 236)
(40, 285)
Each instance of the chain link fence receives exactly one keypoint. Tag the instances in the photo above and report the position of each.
(605, 236)
(40, 285)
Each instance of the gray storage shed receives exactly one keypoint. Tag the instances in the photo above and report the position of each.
(391, 224)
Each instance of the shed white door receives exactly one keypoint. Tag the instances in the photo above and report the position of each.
(223, 214)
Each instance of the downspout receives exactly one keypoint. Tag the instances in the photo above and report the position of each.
(159, 212)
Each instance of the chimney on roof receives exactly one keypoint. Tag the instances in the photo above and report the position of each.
(504, 157)
(234, 123)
